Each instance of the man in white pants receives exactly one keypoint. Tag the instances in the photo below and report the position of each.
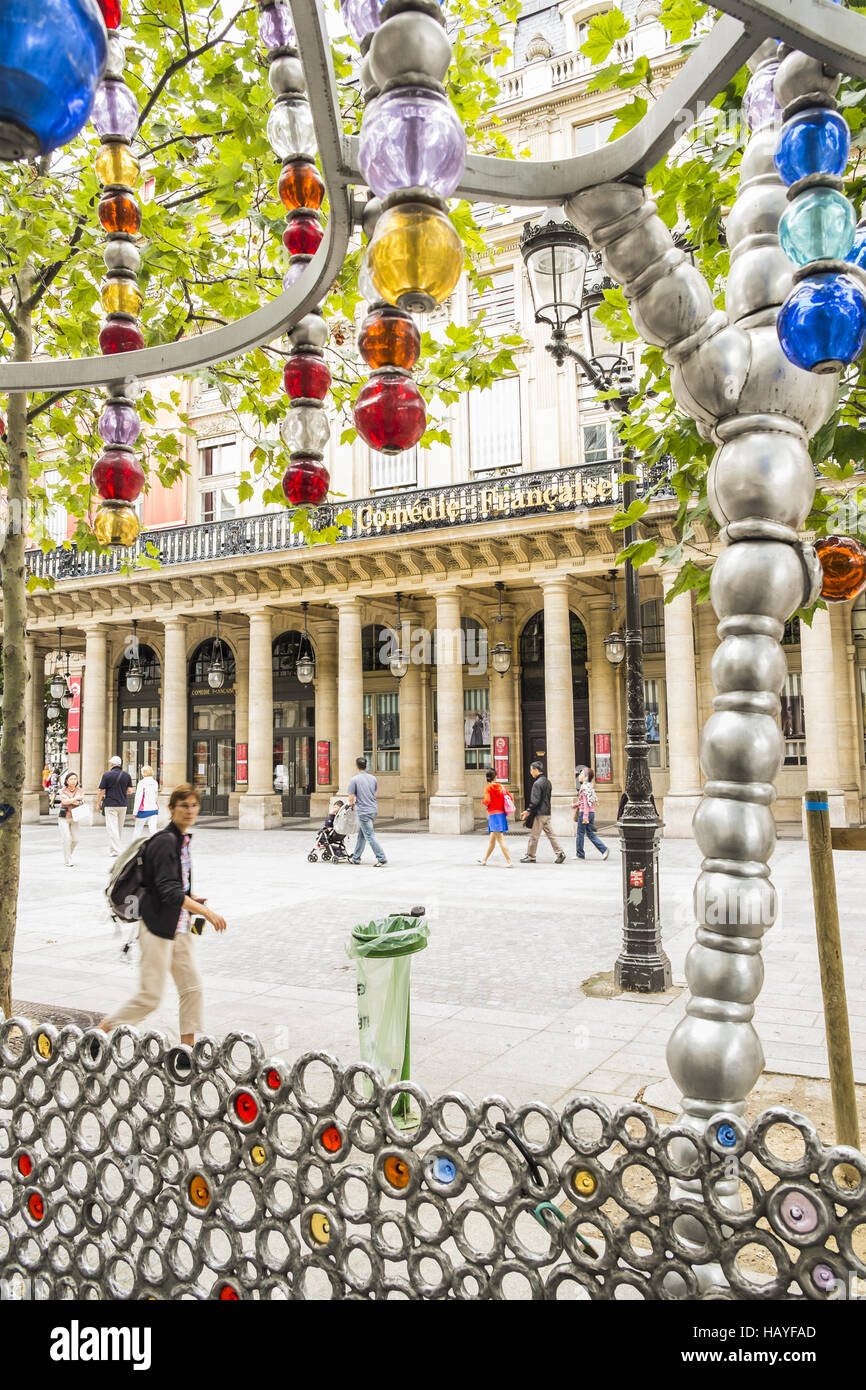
(114, 788)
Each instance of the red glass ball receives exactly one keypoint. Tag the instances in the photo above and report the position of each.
(332, 1139)
(25, 1165)
(300, 185)
(118, 476)
(228, 1294)
(389, 338)
(306, 377)
(36, 1206)
(305, 482)
(111, 13)
(120, 335)
(245, 1107)
(274, 1079)
(843, 560)
(303, 234)
(390, 414)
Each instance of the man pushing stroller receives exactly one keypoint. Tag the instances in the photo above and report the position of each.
(331, 839)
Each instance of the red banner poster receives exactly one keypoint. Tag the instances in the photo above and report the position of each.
(501, 759)
(323, 762)
(603, 758)
(241, 762)
(73, 727)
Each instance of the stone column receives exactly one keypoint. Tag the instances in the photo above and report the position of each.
(34, 746)
(350, 693)
(261, 808)
(847, 704)
(559, 701)
(450, 809)
(411, 800)
(819, 710)
(175, 702)
(684, 787)
(94, 711)
(604, 706)
(504, 706)
(241, 643)
(326, 709)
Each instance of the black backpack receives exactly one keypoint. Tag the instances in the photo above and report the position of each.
(126, 884)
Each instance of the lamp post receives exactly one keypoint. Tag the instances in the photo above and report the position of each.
(305, 666)
(556, 255)
(399, 663)
(501, 653)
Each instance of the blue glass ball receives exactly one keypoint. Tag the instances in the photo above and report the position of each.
(857, 254)
(726, 1136)
(817, 225)
(822, 323)
(52, 56)
(444, 1170)
(815, 141)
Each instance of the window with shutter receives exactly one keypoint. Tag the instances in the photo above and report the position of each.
(494, 426)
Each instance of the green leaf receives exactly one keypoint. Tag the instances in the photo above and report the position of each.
(603, 32)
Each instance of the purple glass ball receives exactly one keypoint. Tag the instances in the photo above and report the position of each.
(276, 29)
(119, 425)
(297, 266)
(361, 16)
(115, 111)
(412, 137)
(760, 106)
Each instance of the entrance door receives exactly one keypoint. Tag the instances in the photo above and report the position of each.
(293, 772)
(213, 757)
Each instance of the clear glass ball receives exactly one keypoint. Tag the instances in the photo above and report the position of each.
(290, 130)
(305, 430)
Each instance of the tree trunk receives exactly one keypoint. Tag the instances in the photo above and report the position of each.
(15, 674)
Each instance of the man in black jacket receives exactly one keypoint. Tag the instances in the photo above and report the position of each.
(537, 816)
(167, 911)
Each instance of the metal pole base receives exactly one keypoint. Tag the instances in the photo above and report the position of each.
(642, 965)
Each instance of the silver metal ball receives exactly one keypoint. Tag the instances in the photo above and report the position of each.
(409, 42)
(748, 661)
(676, 306)
(370, 216)
(799, 76)
(713, 376)
(311, 331)
(728, 829)
(760, 277)
(762, 577)
(120, 254)
(746, 905)
(737, 979)
(740, 747)
(715, 1059)
(286, 75)
(762, 473)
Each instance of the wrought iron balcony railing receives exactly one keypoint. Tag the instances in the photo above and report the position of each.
(580, 490)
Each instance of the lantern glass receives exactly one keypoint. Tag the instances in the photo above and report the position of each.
(501, 657)
(305, 668)
(57, 686)
(134, 680)
(556, 255)
(53, 711)
(399, 664)
(614, 648)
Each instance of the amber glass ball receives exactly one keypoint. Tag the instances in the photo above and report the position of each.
(121, 297)
(116, 164)
(301, 185)
(115, 525)
(389, 338)
(119, 212)
(416, 256)
(843, 560)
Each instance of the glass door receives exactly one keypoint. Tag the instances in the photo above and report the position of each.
(212, 757)
(293, 772)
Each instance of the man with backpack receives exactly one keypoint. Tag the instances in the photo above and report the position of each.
(114, 788)
(154, 880)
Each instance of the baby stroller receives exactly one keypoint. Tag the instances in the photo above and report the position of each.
(330, 843)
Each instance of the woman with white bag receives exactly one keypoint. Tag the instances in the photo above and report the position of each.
(145, 804)
(72, 811)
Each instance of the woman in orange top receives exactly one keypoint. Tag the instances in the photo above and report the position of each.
(497, 821)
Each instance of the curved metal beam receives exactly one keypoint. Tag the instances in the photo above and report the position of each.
(261, 326)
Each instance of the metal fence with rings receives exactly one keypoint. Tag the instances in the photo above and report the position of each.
(131, 1168)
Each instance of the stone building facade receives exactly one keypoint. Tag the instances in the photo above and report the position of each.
(515, 514)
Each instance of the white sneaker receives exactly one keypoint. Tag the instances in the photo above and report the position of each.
(606, 854)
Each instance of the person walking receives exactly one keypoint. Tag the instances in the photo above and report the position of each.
(537, 816)
(497, 820)
(145, 803)
(584, 813)
(70, 796)
(168, 910)
(114, 787)
(362, 795)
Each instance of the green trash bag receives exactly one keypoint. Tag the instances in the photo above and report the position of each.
(381, 951)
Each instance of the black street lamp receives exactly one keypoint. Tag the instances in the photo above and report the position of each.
(216, 671)
(305, 666)
(556, 256)
(399, 662)
(134, 677)
(501, 653)
(57, 684)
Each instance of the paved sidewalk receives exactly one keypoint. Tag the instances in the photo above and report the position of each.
(497, 1004)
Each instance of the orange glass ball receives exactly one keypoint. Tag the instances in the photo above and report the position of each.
(300, 185)
(389, 338)
(843, 560)
(119, 212)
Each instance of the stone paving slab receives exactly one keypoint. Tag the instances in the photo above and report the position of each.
(497, 1004)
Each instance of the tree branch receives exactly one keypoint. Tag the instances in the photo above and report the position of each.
(45, 405)
(7, 314)
(180, 63)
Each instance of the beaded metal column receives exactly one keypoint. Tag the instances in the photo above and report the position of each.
(306, 378)
(117, 474)
(734, 380)
(412, 153)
